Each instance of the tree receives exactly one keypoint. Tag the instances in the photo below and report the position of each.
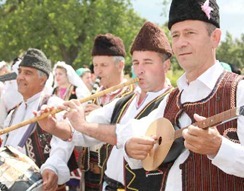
(232, 51)
(64, 29)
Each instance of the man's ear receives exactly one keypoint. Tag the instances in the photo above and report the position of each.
(121, 65)
(167, 64)
(43, 80)
(216, 37)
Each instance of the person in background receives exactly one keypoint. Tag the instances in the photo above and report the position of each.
(69, 86)
(235, 69)
(3, 70)
(93, 75)
(10, 96)
(85, 75)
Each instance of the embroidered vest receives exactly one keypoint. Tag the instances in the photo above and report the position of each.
(38, 144)
(136, 179)
(198, 173)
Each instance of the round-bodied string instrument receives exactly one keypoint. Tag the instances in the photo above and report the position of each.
(165, 138)
(170, 142)
(18, 172)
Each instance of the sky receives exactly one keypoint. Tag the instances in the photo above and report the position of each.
(231, 14)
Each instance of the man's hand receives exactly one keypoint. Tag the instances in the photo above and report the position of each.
(48, 123)
(75, 114)
(90, 107)
(50, 180)
(202, 141)
(139, 147)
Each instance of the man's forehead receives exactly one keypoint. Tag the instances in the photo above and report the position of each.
(187, 25)
(102, 60)
(30, 69)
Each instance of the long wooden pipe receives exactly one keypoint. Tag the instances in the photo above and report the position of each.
(56, 110)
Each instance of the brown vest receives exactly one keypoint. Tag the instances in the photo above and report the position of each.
(198, 173)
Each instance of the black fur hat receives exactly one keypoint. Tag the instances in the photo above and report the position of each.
(203, 10)
(108, 45)
(35, 58)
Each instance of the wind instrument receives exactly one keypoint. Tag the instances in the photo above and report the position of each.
(56, 110)
(95, 87)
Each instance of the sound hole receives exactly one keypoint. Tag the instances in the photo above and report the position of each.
(160, 140)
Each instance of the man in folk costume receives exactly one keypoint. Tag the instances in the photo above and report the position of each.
(213, 158)
(108, 58)
(31, 140)
(151, 52)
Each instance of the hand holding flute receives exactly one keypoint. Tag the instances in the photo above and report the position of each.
(53, 111)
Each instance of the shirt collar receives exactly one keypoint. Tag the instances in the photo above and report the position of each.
(212, 73)
(137, 91)
(116, 91)
(33, 98)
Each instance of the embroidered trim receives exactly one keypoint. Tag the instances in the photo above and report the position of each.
(230, 130)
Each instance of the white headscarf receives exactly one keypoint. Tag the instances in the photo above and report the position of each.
(81, 90)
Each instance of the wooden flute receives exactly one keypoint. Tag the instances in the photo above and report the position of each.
(56, 110)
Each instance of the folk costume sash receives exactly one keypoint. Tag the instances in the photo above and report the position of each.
(198, 173)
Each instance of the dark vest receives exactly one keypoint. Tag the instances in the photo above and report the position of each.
(137, 179)
(198, 173)
(38, 144)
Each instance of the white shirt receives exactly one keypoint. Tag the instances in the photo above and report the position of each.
(10, 97)
(60, 149)
(200, 88)
(103, 115)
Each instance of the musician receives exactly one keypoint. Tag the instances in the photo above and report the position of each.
(108, 57)
(33, 72)
(213, 158)
(150, 58)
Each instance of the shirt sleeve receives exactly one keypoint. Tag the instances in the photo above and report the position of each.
(58, 158)
(133, 163)
(100, 115)
(60, 151)
(80, 139)
(233, 163)
(137, 127)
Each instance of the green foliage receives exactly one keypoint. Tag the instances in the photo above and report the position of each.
(64, 29)
(173, 76)
(232, 51)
